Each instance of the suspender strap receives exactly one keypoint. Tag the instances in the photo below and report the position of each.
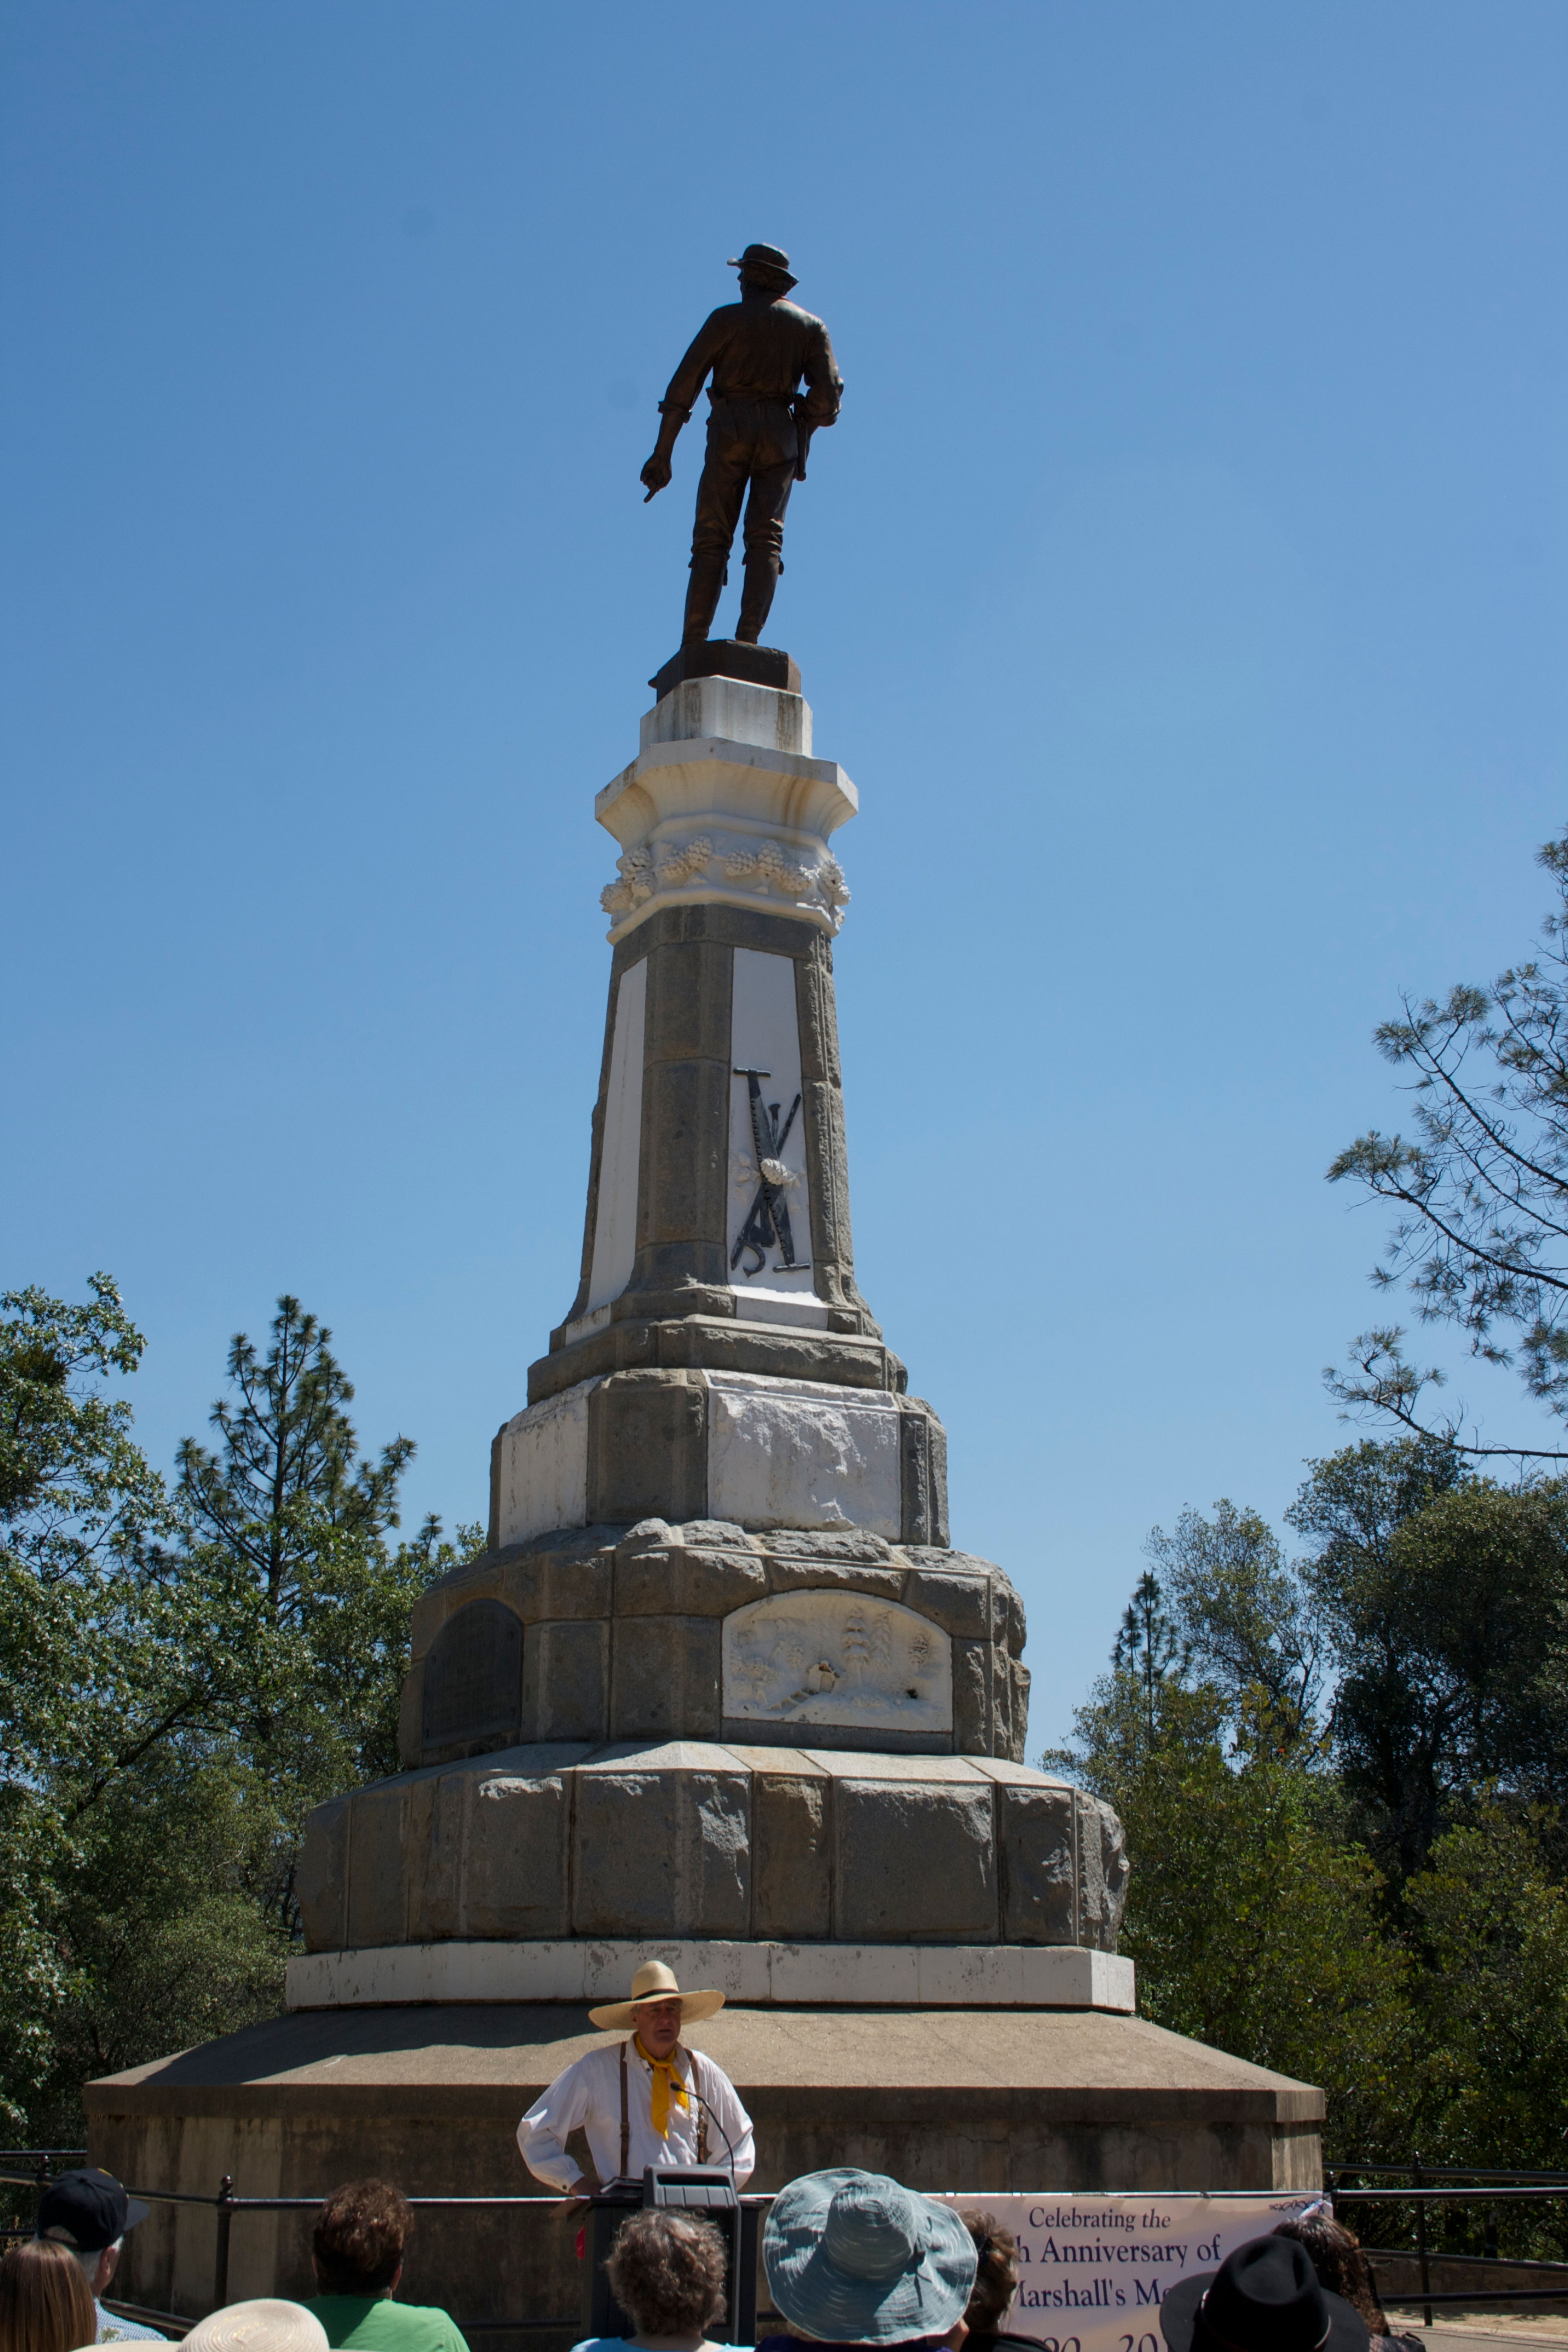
(692, 2077)
(691, 2058)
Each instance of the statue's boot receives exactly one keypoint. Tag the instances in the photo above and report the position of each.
(757, 596)
(708, 576)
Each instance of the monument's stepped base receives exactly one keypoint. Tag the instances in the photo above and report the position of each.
(967, 2099)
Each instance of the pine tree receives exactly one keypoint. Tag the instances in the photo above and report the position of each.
(1150, 1645)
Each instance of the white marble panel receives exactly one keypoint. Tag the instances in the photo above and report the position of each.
(544, 1465)
(786, 1453)
(816, 1655)
(764, 1035)
(615, 1218)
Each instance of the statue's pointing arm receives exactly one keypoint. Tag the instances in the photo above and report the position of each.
(680, 401)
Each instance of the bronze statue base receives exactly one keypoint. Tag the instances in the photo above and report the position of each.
(729, 657)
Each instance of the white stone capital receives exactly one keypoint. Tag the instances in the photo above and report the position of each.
(739, 818)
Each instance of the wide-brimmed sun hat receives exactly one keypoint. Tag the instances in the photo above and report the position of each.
(267, 2324)
(763, 257)
(854, 2258)
(654, 1981)
(1264, 2297)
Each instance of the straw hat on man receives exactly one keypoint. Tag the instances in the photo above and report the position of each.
(645, 2100)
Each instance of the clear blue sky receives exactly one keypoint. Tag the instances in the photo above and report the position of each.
(1184, 589)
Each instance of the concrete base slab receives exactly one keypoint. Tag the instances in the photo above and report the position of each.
(972, 2100)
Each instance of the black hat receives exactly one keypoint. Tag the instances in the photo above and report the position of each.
(763, 257)
(1265, 2297)
(87, 2211)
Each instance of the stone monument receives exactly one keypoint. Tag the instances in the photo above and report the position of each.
(720, 1691)
(719, 1677)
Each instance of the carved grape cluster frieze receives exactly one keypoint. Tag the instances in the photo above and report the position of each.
(768, 867)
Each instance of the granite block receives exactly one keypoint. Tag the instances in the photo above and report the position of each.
(1038, 1836)
(1102, 1873)
(972, 1721)
(434, 1838)
(648, 1447)
(682, 1581)
(789, 1574)
(322, 1881)
(518, 1847)
(377, 1912)
(958, 1600)
(1020, 1681)
(661, 1852)
(792, 1859)
(574, 1672)
(855, 1547)
(914, 1861)
(664, 1678)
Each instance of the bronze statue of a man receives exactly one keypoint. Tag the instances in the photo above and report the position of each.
(759, 350)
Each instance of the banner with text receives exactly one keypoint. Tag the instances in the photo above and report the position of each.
(1092, 2270)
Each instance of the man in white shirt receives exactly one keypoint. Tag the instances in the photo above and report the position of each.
(647, 2100)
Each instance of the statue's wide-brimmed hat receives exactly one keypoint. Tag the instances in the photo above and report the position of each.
(1265, 2297)
(763, 257)
(654, 1981)
(854, 2258)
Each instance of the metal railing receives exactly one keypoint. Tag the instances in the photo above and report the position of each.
(1439, 2185)
(1434, 2185)
(44, 2163)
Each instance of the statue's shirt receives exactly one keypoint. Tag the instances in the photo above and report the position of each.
(761, 350)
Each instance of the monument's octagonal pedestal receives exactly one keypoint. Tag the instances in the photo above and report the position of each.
(719, 1691)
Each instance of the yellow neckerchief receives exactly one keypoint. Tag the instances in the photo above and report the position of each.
(666, 2080)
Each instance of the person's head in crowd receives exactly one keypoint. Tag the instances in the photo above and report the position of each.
(89, 2213)
(995, 2274)
(1264, 2297)
(46, 2304)
(1335, 2255)
(667, 2270)
(265, 2324)
(360, 2235)
(853, 2258)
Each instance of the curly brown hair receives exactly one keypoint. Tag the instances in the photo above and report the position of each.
(360, 2237)
(46, 2304)
(668, 2271)
(1335, 2255)
(995, 2272)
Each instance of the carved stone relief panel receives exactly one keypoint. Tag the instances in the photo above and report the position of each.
(473, 1676)
(826, 1657)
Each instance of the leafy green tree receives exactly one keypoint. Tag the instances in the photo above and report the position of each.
(285, 1532)
(77, 1499)
(1245, 1620)
(181, 1677)
(1256, 1924)
(1445, 1598)
(1480, 1241)
(1490, 1922)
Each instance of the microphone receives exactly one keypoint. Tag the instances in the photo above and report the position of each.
(708, 2110)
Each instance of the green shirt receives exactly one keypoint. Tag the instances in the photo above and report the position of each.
(374, 2322)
